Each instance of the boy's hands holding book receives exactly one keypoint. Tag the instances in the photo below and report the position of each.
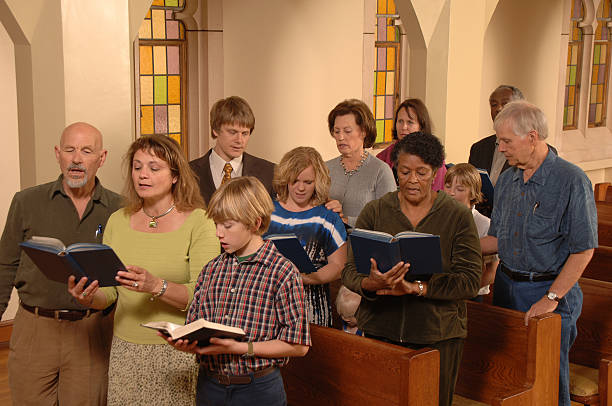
(216, 346)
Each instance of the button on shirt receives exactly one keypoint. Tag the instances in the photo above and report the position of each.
(538, 224)
(262, 295)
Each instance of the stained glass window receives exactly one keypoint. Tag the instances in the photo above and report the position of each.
(573, 71)
(601, 67)
(162, 72)
(387, 69)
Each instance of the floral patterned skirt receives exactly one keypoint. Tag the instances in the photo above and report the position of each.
(150, 374)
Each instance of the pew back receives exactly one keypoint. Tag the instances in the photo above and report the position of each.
(344, 369)
(507, 363)
(600, 266)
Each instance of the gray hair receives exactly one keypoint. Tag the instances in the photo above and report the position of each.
(523, 117)
(516, 92)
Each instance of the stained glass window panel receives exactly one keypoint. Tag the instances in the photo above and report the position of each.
(574, 60)
(600, 71)
(386, 77)
(162, 74)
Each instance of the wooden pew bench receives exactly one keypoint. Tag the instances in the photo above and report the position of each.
(591, 354)
(507, 363)
(603, 192)
(344, 369)
(604, 233)
(600, 267)
(604, 211)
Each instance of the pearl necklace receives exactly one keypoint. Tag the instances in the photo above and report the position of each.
(364, 155)
(153, 221)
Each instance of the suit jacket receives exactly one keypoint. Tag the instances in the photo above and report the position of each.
(251, 166)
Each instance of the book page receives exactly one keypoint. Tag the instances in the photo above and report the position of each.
(49, 242)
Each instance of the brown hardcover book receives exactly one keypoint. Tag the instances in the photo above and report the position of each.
(200, 330)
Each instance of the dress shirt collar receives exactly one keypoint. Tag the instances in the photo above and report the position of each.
(541, 173)
(216, 167)
(99, 193)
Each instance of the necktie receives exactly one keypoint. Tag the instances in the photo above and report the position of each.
(227, 172)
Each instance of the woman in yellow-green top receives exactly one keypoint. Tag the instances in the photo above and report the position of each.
(164, 238)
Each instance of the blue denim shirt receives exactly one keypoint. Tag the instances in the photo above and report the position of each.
(538, 224)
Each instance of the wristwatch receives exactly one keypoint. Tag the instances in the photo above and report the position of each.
(421, 288)
(250, 352)
(552, 296)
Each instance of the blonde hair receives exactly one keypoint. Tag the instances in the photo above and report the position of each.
(185, 191)
(468, 176)
(243, 199)
(290, 167)
(347, 302)
(231, 110)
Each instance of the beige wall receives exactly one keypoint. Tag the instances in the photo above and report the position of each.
(9, 164)
(293, 61)
(522, 49)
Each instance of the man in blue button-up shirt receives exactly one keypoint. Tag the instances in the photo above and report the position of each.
(544, 226)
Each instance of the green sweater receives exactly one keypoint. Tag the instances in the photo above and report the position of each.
(177, 256)
(441, 314)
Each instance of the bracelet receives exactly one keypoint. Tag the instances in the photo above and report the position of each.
(421, 288)
(161, 291)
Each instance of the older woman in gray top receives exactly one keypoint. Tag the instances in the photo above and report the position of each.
(357, 176)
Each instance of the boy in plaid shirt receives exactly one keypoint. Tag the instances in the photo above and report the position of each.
(251, 286)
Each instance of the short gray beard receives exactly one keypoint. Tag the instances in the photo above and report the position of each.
(73, 183)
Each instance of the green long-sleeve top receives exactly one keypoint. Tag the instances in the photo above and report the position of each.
(441, 313)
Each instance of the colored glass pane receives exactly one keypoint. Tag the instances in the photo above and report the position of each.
(381, 29)
(390, 58)
(172, 30)
(176, 137)
(158, 3)
(146, 60)
(144, 32)
(380, 83)
(146, 90)
(380, 107)
(390, 83)
(161, 119)
(382, 59)
(174, 62)
(389, 105)
(390, 7)
(382, 7)
(159, 60)
(160, 91)
(172, 3)
(174, 90)
(600, 68)
(146, 120)
(380, 131)
(572, 78)
(388, 129)
(391, 33)
(174, 118)
(159, 23)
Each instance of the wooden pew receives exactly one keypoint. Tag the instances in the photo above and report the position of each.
(603, 192)
(593, 345)
(604, 211)
(604, 232)
(600, 267)
(507, 363)
(344, 369)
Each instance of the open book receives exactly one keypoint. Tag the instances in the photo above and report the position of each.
(57, 262)
(200, 330)
(421, 250)
(291, 248)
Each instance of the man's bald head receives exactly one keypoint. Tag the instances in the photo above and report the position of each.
(80, 155)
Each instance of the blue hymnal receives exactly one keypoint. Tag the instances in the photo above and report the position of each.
(57, 262)
(290, 247)
(421, 250)
(487, 185)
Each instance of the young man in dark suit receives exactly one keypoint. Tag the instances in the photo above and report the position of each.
(232, 122)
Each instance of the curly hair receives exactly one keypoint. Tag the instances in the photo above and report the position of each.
(425, 146)
(363, 117)
(290, 167)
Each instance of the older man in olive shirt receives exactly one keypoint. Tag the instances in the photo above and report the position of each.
(59, 350)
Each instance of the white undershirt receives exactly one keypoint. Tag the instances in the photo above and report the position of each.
(216, 167)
